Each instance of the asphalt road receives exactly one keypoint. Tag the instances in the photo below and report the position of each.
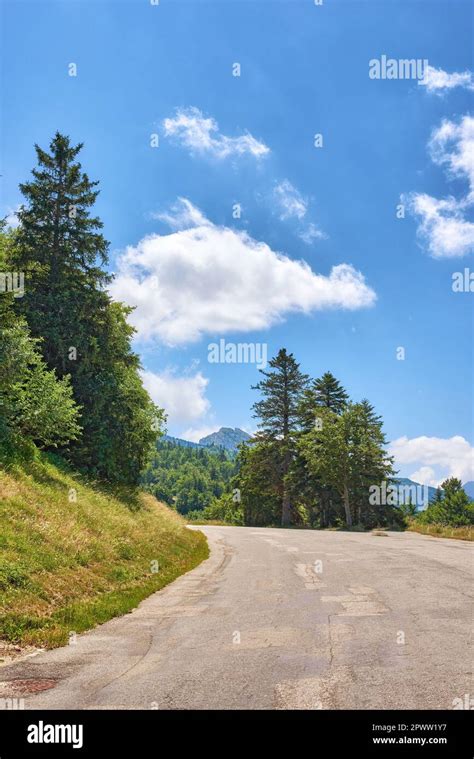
(278, 619)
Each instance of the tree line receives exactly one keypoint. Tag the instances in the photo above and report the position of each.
(316, 455)
(69, 379)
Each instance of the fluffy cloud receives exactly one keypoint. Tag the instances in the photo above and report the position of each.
(194, 434)
(425, 475)
(214, 280)
(439, 81)
(443, 226)
(201, 135)
(289, 201)
(452, 457)
(183, 398)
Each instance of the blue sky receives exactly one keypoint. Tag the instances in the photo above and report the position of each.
(203, 275)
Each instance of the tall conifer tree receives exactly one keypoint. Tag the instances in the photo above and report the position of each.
(278, 411)
(60, 247)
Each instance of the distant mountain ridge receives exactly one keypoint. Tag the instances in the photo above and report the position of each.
(419, 493)
(469, 489)
(226, 437)
(179, 441)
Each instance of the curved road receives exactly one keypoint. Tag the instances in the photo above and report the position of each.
(278, 619)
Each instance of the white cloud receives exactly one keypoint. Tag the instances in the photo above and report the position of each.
(426, 475)
(289, 201)
(437, 80)
(182, 216)
(452, 145)
(201, 135)
(195, 434)
(215, 280)
(443, 226)
(290, 204)
(452, 457)
(183, 398)
(312, 233)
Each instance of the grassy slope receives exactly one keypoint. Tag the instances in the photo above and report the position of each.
(66, 566)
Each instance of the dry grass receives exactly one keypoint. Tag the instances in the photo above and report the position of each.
(441, 531)
(66, 565)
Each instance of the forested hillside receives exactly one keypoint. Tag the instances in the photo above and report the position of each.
(188, 479)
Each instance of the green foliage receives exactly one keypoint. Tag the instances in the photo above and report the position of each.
(84, 335)
(278, 412)
(35, 406)
(315, 457)
(278, 409)
(324, 392)
(34, 402)
(348, 456)
(408, 510)
(224, 509)
(450, 507)
(187, 478)
(260, 482)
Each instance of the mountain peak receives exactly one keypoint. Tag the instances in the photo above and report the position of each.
(226, 437)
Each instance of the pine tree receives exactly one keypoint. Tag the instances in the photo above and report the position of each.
(324, 392)
(451, 506)
(84, 334)
(60, 248)
(279, 416)
(329, 393)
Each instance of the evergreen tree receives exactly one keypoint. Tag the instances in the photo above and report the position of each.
(329, 393)
(324, 392)
(450, 507)
(348, 454)
(260, 483)
(374, 467)
(278, 412)
(60, 247)
(322, 500)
